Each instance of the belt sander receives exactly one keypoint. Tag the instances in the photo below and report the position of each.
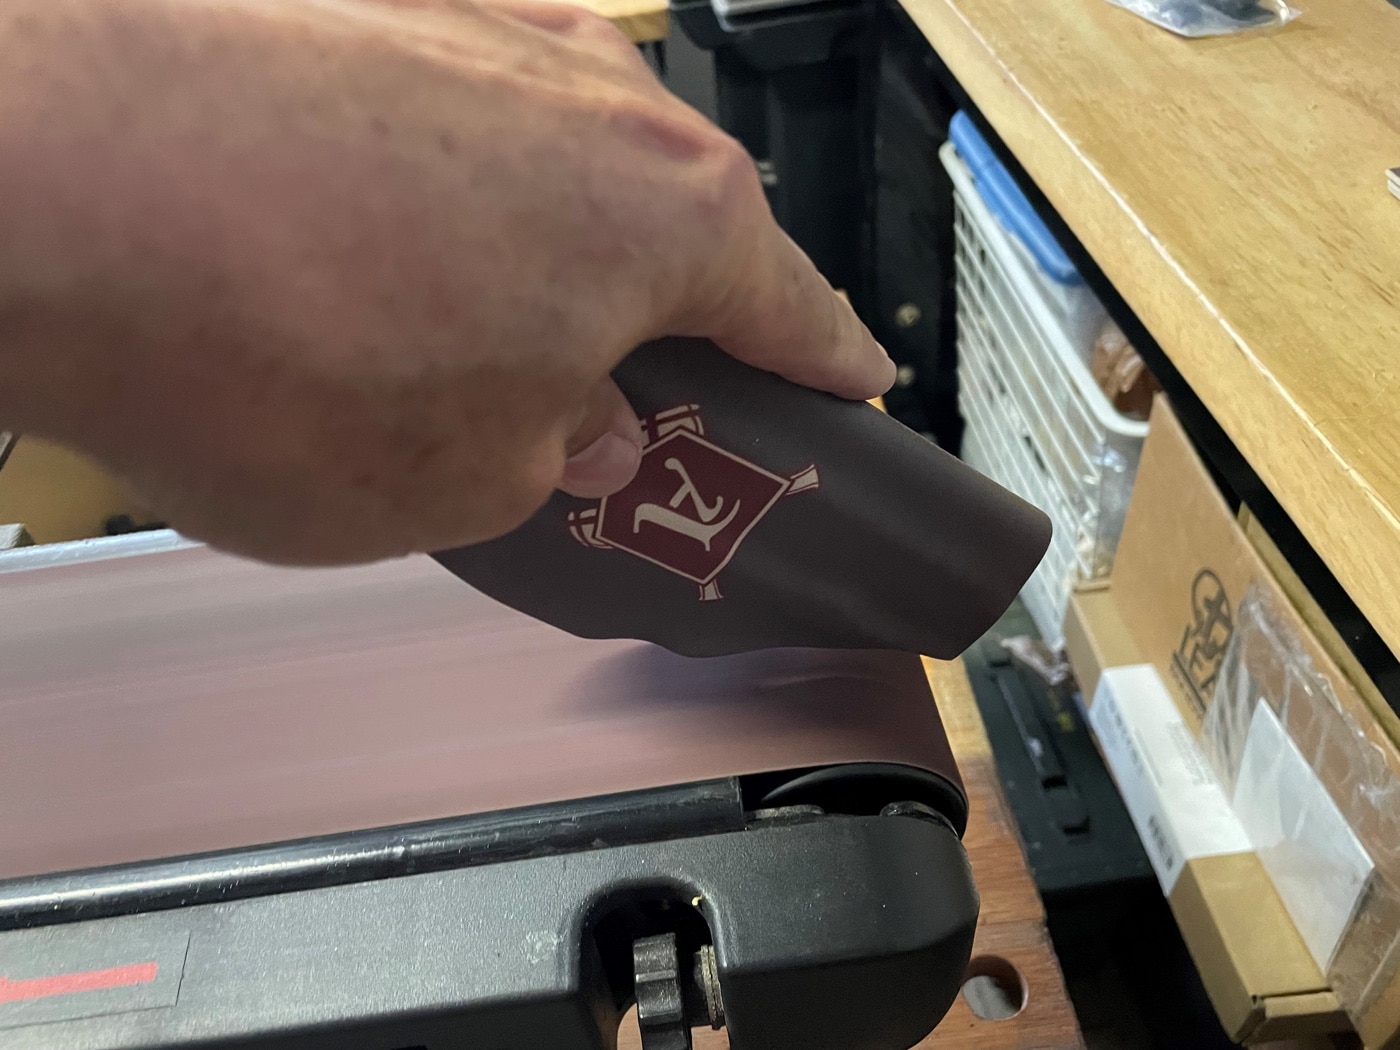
(380, 808)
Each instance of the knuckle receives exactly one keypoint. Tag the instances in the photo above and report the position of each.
(600, 28)
(729, 188)
(663, 128)
(591, 28)
(570, 18)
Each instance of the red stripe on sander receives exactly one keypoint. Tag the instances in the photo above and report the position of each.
(173, 703)
(14, 991)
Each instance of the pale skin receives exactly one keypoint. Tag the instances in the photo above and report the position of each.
(336, 280)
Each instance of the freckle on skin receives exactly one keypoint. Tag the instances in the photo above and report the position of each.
(448, 143)
(379, 126)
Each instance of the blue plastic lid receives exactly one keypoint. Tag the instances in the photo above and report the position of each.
(1006, 201)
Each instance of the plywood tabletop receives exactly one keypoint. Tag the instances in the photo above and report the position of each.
(644, 21)
(1011, 926)
(1234, 190)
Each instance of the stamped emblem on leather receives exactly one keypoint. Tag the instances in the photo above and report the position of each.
(691, 504)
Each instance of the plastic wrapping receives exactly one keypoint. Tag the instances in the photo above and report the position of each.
(1107, 484)
(1106, 490)
(1266, 665)
(1048, 664)
(1122, 374)
(1199, 18)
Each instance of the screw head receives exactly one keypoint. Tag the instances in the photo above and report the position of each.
(908, 315)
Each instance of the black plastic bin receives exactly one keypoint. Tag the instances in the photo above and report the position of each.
(787, 86)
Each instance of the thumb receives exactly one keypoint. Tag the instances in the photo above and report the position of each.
(780, 314)
(606, 448)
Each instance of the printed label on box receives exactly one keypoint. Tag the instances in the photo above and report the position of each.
(1177, 805)
(1313, 857)
(1197, 659)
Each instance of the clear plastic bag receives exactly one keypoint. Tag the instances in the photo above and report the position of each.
(1267, 664)
(1049, 665)
(1198, 18)
(1122, 374)
(1108, 488)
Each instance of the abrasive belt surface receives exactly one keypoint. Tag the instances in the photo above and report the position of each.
(172, 703)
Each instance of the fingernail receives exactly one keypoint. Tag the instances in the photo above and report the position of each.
(602, 468)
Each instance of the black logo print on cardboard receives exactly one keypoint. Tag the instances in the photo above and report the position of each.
(1197, 659)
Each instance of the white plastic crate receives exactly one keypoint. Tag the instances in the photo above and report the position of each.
(1037, 422)
(1079, 314)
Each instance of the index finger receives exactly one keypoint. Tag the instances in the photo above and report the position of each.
(769, 306)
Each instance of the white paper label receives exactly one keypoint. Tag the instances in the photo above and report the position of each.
(1305, 844)
(1177, 805)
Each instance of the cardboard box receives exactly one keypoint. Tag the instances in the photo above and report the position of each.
(1095, 637)
(1256, 969)
(1182, 567)
(59, 495)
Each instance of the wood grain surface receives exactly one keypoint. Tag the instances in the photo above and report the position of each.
(1012, 922)
(1234, 191)
(644, 21)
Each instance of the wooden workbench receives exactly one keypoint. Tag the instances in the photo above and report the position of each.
(644, 21)
(1233, 190)
(1011, 926)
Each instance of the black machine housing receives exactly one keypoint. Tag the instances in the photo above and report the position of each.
(827, 909)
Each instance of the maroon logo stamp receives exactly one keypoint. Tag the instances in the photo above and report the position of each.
(691, 503)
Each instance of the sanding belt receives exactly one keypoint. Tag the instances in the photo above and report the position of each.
(795, 548)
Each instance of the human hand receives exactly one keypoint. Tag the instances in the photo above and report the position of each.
(334, 280)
